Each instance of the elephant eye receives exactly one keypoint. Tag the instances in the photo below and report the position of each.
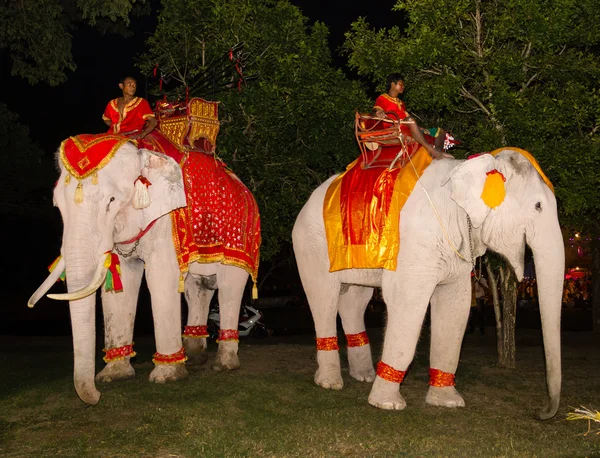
(112, 199)
(538, 206)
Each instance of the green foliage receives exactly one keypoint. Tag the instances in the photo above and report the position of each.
(36, 34)
(23, 158)
(520, 72)
(284, 133)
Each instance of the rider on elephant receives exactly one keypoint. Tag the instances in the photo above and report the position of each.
(433, 142)
(129, 115)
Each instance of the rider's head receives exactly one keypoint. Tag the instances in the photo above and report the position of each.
(128, 85)
(395, 82)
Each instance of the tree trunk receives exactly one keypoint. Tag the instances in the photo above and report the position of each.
(507, 358)
(496, 302)
(596, 283)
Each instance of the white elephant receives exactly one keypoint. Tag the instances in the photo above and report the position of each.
(429, 270)
(105, 216)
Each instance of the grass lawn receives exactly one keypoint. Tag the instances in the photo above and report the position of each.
(271, 407)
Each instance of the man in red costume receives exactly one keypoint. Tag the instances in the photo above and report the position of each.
(434, 144)
(129, 115)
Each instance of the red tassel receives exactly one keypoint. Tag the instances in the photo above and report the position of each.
(160, 84)
(230, 54)
(187, 95)
(155, 70)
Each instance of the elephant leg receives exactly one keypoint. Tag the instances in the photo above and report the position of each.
(406, 306)
(232, 281)
(449, 315)
(162, 276)
(119, 317)
(198, 299)
(352, 305)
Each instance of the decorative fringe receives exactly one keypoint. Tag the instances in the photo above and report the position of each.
(52, 266)
(113, 276)
(142, 197)
(79, 193)
(181, 285)
(95, 178)
(254, 291)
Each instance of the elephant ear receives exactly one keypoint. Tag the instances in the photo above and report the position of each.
(164, 184)
(466, 184)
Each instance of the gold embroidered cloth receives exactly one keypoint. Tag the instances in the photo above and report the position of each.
(221, 221)
(85, 154)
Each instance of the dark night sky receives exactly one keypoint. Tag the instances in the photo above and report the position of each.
(53, 114)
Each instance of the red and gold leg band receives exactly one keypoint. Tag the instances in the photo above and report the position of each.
(198, 332)
(327, 343)
(439, 378)
(388, 373)
(357, 340)
(228, 335)
(118, 353)
(175, 358)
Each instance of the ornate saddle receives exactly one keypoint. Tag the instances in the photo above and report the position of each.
(383, 142)
(190, 127)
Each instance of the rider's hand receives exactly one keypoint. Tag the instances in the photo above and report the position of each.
(380, 114)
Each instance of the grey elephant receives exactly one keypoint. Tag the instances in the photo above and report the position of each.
(444, 224)
(131, 196)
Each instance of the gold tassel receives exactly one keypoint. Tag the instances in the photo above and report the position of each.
(95, 178)
(79, 193)
(181, 287)
(67, 179)
(254, 291)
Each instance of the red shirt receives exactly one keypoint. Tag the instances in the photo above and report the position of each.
(386, 103)
(135, 114)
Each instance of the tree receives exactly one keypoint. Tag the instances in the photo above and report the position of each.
(520, 72)
(37, 34)
(283, 133)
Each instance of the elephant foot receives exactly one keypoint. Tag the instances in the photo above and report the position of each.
(116, 371)
(386, 395)
(226, 360)
(329, 374)
(195, 350)
(445, 396)
(164, 373)
(361, 363)
(329, 379)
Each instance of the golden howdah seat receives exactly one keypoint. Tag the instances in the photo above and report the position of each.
(191, 127)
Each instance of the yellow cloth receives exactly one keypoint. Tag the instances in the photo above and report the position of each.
(531, 159)
(375, 212)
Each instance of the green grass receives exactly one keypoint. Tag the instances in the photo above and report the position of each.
(271, 407)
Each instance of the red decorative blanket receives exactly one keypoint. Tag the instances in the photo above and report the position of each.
(221, 221)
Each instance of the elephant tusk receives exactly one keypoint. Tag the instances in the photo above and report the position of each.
(50, 280)
(88, 290)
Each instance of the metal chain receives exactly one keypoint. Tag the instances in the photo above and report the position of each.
(471, 250)
(126, 255)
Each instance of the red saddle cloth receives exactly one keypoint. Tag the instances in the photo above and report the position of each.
(221, 221)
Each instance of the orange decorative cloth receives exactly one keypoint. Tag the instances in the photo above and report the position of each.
(221, 222)
(200, 332)
(357, 340)
(85, 154)
(362, 213)
(228, 335)
(390, 374)
(175, 358)
(327, 343)
(439, 378)
(531, 159)
(118, 353)
(133, 118)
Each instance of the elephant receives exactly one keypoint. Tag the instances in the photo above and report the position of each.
(444, 226)
(106, 215)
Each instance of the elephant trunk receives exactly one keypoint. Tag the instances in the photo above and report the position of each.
(549, 259)
(81, 260)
